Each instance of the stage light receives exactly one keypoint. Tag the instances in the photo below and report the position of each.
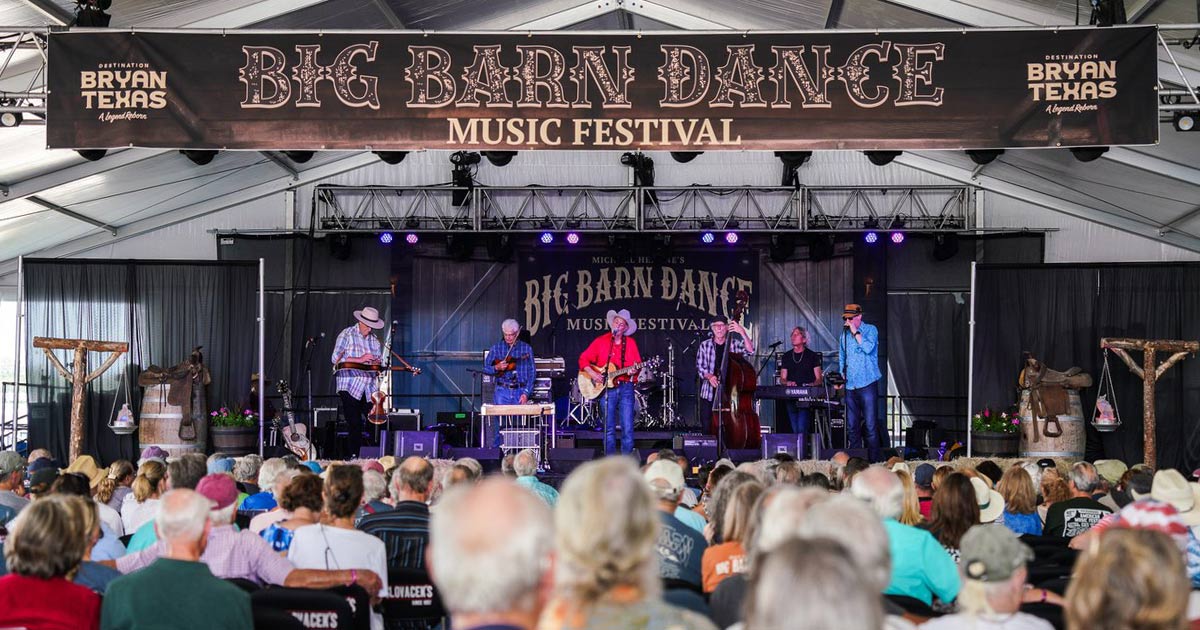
(546, 238)
(821, 247)
(984, 156)
(500, 248)
(1183, 121)
(92, 13)
(299, 157)
(1088, 154)
(391, 157)
(792, 160)
(461, 177)
(385, 238)
(499, 158)
(460, 246)
(783, 246)
(871, 238)
(411, 238)
(731, 238)
(643, 174)
(199, 157)
(882, 158)
(572, 238)
(945, 247)
(897, 237)
(92, 155)
(683, 157)
(707, 238)
(10, 119)
(464, 158)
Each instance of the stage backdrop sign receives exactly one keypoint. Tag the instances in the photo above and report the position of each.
(973, 89)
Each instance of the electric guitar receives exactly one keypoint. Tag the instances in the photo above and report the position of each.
(590, 390)
(295, 436)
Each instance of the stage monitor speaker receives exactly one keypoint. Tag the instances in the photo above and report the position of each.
(743, 455)
(419, 443)
(324, 416)
(790, 443)
(456, 417)
(489, 458)
(564, 460)
(699, 449)
(404, 420)
(566, 440)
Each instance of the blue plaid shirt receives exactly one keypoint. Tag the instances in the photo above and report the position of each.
(350, 343)
(859, 362)
(521, 378)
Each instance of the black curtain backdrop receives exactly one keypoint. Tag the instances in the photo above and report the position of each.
(162, 309)
(1060, 312)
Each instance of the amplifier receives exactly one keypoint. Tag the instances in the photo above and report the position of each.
(790, 443)
(323, 416)
(404, 420)
(419, 443)
(700, 448)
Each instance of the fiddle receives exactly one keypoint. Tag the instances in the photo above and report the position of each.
(378, 414)
(504, 365)
(733, 414)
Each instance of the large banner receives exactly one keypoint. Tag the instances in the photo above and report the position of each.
(401, 90)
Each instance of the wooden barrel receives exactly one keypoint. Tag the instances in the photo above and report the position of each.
(234, 440)
(159, 422)
(1070, 444)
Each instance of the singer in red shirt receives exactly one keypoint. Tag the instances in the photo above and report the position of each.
(610, 352)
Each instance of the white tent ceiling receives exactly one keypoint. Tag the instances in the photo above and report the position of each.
(1150, 191)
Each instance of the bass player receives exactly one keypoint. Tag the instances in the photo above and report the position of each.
(609, 352)
(357, 344)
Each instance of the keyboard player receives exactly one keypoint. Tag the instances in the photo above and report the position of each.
(800, 366)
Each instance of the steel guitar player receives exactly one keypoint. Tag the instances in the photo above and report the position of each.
(356, 357)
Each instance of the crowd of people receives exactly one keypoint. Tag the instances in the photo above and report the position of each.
(183, 541)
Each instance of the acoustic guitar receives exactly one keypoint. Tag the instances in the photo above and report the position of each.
(590, 390)
(295, 436)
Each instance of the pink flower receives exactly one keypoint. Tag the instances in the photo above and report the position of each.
(987, 413)
(213, 414)
(1016, 421)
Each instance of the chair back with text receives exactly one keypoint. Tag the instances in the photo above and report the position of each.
(412, 601)
(312, 608)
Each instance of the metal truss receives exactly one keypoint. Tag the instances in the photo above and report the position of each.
(642, 209)
(23, 62)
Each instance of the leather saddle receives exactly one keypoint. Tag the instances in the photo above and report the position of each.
(180, 381)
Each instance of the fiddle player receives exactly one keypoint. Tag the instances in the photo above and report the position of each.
(356, 387)
(510, 362)
(800, 366)
(708, 356)
(614, 348)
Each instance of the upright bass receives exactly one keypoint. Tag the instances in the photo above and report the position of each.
(733, 415)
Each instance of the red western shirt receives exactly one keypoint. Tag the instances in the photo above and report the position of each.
(602, 351)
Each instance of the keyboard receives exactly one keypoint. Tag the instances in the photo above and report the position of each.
(804, 393)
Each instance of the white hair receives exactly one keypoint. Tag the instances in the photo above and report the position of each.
(525, 463)
(374, 485)
(222, 516)
(1084, 476)
(267, 473)
(489, 547)
(811, 585)
(246, 468)
(782, 516)
(1035, 473)
(473, 464)
(510, 326)
(850, 522)
(182, 514)
(881, 488)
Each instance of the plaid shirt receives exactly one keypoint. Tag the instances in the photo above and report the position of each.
(350, 343)
(521, 378)
(707, 358)
(230, 554)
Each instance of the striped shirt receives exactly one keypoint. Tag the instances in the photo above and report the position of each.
(523, 376)
(404, 530)
(229, 554)
(351, 343)
(708, 361)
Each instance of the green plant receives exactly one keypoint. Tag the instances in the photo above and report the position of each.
(226, 417)
(989, 421)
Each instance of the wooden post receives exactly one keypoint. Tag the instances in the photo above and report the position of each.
(79, 377)
(1149, 372)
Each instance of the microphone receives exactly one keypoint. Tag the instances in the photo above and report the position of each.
(776, 344)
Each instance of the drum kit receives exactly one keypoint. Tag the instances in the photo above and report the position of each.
(655, 394)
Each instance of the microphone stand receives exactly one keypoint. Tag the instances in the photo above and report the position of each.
(719, 396)
(310, 347)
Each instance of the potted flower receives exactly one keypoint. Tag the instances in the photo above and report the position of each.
(996, 434)
(234, 432)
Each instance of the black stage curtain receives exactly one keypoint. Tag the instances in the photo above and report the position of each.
(928, 354)
(162, 309)
(1060, 312)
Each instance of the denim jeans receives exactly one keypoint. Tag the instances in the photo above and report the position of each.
(860, 412)
(800, 417)
(616, 400)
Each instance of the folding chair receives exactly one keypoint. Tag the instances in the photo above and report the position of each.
(412, 602)
(311, 608)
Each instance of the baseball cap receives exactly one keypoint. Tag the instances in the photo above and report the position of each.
(992, 553)
(223, 465)
(371, 464)
(1111, 469)
(218, 488)
(10, 462)
(313, 466)
(1046, 462)
(153, 452)
(923, 475)
(40, 481)
(43, 463)
(665, 470)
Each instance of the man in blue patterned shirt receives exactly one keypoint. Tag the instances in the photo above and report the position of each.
(355, 387)
(859, 361)
(510, 362)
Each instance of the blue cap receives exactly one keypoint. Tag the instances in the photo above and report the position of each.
(223, 465)
(923, 475)
(313, 466)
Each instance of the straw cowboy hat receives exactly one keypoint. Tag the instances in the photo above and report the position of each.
(991, 503)
(370, 317)
(623, 314)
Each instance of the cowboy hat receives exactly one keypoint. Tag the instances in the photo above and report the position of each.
(991, 503)
(370, 317)
(86, 465)
(1169, 486)
(623, 314)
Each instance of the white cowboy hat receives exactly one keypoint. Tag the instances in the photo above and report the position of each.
(370, 317)
(991, 503)
(623, 314)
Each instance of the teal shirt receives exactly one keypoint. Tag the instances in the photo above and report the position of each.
(921, 568)
(544, 491)
(175, 594)
(142, 538)
(690, 518)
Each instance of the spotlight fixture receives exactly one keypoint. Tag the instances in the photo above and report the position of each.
(898, 222)
(683, 157)
(731, 238)
(464, 158)
(871, 238)
(460, 247)
(572, 238)
(500, 248)
(92, 13)
(411, 238)
(499, 158)
(707, 238)
(546, 238)
(385, 238)
(792, 160)
(299, 157)
(783, 246)
(945, 247)
(461, 176)
(643, 174)
(897, 237)
(882, 158)
(984, 156)
(391, 157)
(821, 247)
(199, 157)
(10, 119)
(1088, 154)
(1183, 121)
(92, 155)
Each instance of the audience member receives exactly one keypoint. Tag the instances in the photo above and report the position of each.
(177, 590)
(1131, 579)
(108, 545)
(606, 527)
(817, 480)
(245, 473)
(1054, 489)
(404, 529)
(853, 466)
(1134, 482)
(991, 470)
(993, 573)
(1020, 501)
(302, 499)
(96, 476)
(714, 477)
(335, 544)
(491, 555)
(1076, 515)
(473, 465)
(923, 482)
(265, 498)
(140, 505)
(911, 512)
(717, 503)
(921, 568)
(728, 558)
(1110, 472)
(184, 472)
(85, 516)
(43, 548)
(153, 453)
(40, 453)
(276, 514)
(506, 466)
(789, 473)
(457, 475)
(116, 484)
(939, 475)
(955, 510)
(811, 585)
(991, 503)
(374, 489)
(525, 467)
(679, 547)
(12, 485)
(40, 482)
